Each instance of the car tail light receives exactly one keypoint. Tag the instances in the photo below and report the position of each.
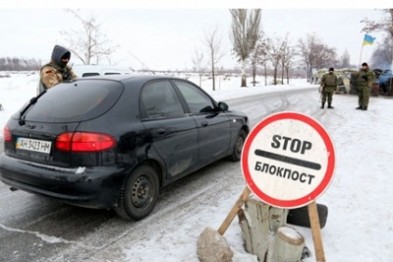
(7, 134)
(84, 142)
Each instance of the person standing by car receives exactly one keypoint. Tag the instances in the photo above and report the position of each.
(364, 79)
(329, 86)
(57, 70)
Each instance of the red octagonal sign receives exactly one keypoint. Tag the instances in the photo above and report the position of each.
(288, 160)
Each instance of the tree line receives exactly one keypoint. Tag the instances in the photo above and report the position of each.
(254, 49)
(19, 64)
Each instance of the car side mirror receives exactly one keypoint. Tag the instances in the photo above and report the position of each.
(222, 106)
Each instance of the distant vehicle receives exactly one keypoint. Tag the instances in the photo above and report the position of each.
(343, 76)
(385, 80)
(115, 141)
(99, 70)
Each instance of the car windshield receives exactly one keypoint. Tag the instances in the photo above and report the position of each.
(75, 101)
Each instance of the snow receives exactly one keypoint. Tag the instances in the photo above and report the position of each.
(360, 197)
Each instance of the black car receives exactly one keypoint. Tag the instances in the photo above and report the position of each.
(114, 142)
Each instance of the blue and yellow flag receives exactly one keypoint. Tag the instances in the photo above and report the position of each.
(368, 40)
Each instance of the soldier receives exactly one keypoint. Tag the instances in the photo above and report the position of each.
(364, 79)
(56, 71)
(329, 83)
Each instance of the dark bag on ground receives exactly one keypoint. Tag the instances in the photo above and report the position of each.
(300, 217)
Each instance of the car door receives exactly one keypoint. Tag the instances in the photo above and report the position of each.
(213, 125)
(173, 132)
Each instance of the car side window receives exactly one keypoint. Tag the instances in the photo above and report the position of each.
(159, 100)
(90, 74)
(197, 101)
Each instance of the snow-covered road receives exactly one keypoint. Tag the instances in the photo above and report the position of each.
(359, 226)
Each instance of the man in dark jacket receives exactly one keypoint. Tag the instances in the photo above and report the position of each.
(57, 70)
(364, 80)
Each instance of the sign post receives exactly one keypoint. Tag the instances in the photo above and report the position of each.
(288, 161)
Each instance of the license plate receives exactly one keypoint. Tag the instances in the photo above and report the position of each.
(33, 145)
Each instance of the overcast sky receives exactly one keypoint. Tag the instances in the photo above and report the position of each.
(166, 38)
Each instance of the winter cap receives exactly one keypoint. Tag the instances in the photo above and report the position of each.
(331, 69)
(364, 64)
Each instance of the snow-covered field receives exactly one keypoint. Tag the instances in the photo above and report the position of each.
(360, 197)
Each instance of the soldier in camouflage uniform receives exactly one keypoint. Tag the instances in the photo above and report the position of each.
(329, 83)
(56, 71)
(364, 79)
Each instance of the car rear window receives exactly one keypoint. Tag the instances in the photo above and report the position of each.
(75, 101)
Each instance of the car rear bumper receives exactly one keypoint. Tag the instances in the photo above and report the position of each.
(92, 187)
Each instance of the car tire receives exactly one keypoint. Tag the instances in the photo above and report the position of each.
(139, 194)
(238, 146)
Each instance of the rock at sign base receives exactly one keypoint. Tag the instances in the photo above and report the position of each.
(211, 246)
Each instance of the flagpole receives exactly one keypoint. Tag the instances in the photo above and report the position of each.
(361, 53)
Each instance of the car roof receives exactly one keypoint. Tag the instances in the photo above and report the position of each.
(132, 78)
(80, 70)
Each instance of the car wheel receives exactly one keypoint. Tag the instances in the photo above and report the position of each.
(139, 194)
(238, 146)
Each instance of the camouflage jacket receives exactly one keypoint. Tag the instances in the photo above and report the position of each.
(329, 82)
(364, 78)
(51, 75)
(54, 72)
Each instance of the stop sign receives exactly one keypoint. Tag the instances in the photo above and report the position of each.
(288, 160)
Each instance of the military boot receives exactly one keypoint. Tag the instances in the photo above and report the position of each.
(364, 108)
(323, 106)
(359, 108)
(330, 106)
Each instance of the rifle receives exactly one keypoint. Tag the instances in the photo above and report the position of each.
(67, 74)
(321, 89)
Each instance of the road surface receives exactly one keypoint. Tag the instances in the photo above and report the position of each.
(34, 228)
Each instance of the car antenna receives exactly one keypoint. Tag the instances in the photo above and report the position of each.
(31, 102)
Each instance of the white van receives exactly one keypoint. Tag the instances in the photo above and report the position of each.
(99, 70)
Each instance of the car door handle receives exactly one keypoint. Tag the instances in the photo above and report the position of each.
(204, 124)
(159, 132)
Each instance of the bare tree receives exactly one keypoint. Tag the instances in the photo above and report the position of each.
(258, 56)
(197, 62)
(316, 55)
(275, 54)
(385, 24)
(89, 43)
(287, 58)
(263, 59)
(326, 56)
(213, 43)
(345, 59)
(244, 35)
